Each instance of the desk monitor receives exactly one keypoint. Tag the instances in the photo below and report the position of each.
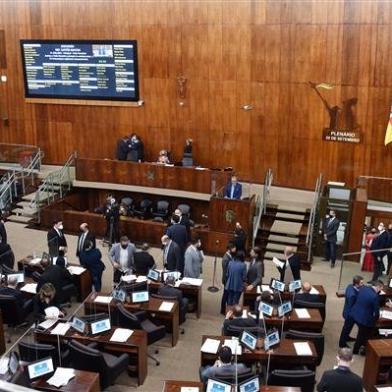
(78, 324)
(40, 368)
(266, 309)
(140, 296)
(176, 275)
(217, 386)
(55, 261)
(154, 275)
(271, 340)
(13, 363)
(250, 385)
(295, 285)
(19, 277)
(248, 340)
(277, 285)
(100, 326)
(284, 308)
(119, 295)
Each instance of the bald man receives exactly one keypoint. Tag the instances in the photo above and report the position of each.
(84, 236)
(305, 294)
(292, 268)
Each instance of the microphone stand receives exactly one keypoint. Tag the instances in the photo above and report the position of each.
(213, 288)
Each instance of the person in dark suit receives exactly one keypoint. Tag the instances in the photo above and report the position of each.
(143, 261)
(332, 226)
(171, 254)
(179, 235)
(7, 256)
(122, 148)
(227, 257)
(350, 295)
(236, 278)
(292, 268)
(365, 312)
(91, 259)
(379, 245)
(3, 231)
(341, 379)
(233, 189)
(12, 291)
(56, 239)
(234, 319)
(136, 149)
(184, 220)
(111, 212)
(239, 237)
(84, 237)
(255, 273)
(389, 246)
(305, 295)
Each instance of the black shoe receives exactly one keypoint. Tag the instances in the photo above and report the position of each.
(332, 265)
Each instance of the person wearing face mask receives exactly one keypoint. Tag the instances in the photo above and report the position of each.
(136, 149)
(56, 239)
(233, 189)
(255, 272)
(330, 237)
(227, 257)
(111, 211)
(121, 256)
(379, 245)
(239, 237)
(85, 236)
(368, 260)
(194, 257)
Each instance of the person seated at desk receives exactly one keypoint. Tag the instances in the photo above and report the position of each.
(341, 379)
(163, 158)
(136, 149)
(143, 261)
(45, 298)
(168, 290)
(194, 257)
(255, 273)
(268, 298)
(233, 189)
(234, 319)
(306, 295)
(171, 254)
(11, 290)
(223, 366)
(121, 256)
(91, 259)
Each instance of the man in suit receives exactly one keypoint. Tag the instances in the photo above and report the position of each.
(122, 148)
(111, 212)
(239, 237)
(121, 256)
(365, 312)
(171, 254)
(234, 319)
(306, 295)
(379, 244)
(179, 235)
(11, 290)
(255, 273)
(3, 231)
(136, 149)
(56, 239)
(7, 256)
(184, 220)
(227, 257)
(236, 278)
(332, 226)
(85, 236)
(233, 189)
(350, 295)
(143, 261)
(194, 257)
(292, 268)
(341, 379)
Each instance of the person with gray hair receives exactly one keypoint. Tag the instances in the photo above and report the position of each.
(341, 379)
(11, 290)
(171, 254)
(121, 256)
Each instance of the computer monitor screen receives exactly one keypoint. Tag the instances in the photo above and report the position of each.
(18, 276)
(266, 309)
(40, 368)
(55, 261)
(119, 295)
(217, 386)
(13, 363)
(284, 308)
(339, 193)
(100, 326)
(248, 340)
(251, 385)
(153, 275)
(271, 340)
(277, 285)
(295, 285)
(78, 324)
(140, 296)
(176, 275)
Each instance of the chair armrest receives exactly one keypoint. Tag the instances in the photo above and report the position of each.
(141, 315)
(93, 345)
(121, 361)
(28, 306)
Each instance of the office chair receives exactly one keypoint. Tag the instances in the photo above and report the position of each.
(88, 358)
(90, 318)
(182, 309)
(7, 270)
(233, 330)
(131, 287)
(36, 276)
(311, 305)
(231, 377)
(185, 209)
(143, 210)
(127, 203)
(7, 257)
(14, 316)
(293, 378)
(30, 352)
(140, 321)
(161, 209)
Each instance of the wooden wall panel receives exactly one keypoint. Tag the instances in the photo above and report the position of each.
(233, 53)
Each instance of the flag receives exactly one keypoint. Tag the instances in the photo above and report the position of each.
(388, 133)
(327, 86)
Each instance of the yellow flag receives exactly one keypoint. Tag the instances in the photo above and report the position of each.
(388, 133)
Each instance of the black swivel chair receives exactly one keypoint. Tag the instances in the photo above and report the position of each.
(143, 210)
(231, 377)
(89, 318)
(30, 352)
(7, 270)
(233, 330)
(127, 203)
(293, 378)
(186, 210)
(90, 359)
(161, 210)
(36, 276)
(311, 305)
(140, 321)
(182, 310)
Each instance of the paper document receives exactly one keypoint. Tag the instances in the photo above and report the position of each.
(75, 270)
(244, 313)
(166, 306)
(302, 313)
(52, 312)
(192, 281)
(302, 348)
(385, 331)
(314, 291)
(278, 263)
(121, 335)
(189, 389)
(386, 314)
(210, 346)
(60, 329)
(265, 287)
(141, 278)
(234, 344)
(47, 323)
(384, 389)
(102, 299)
(61, 377)
(128, 278)
(4, 365)
(35, 261)
(30, 288)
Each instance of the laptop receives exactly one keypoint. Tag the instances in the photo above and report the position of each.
(140, 296)
(272, 339)
(154, 275)
(100, 326)
(277, 285)
(251, 385)
(19, 277)
(119, 295)
(176, 275)
(284, 308)
(295, 285)
(78, 324)
(40, 368)
(217, 386)
(266, 309)
(248, 340)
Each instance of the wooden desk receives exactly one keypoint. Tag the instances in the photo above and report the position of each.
(169, 319)
(82, 282)
(175, 386)
(82, 382)
(135, 346)
(284, 354)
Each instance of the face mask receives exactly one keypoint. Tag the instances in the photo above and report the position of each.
(112, 201)
(60, 227)
(124, 246)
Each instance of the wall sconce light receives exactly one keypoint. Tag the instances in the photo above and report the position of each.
(247, 107)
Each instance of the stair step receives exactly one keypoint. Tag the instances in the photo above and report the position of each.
(270, 255)
(24, 211)
(283, 238)
(294, 207)
(19, 218)
(31, 196)
(23, 203)
(271, 246)
(286, 227)
(286, 215)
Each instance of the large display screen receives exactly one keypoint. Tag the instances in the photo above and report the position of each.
(104, 70)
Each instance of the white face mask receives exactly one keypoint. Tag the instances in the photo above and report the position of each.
(60, 227)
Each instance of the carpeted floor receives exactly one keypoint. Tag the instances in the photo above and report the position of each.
(182, 362)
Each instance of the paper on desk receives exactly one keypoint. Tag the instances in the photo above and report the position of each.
(166, 306)
(234, 344)
(278, 263)
(386, 314)
(314, 291)
(121, 335)
(75, 270)
(385, 331)
(30, 288)
(61, 377)
(192, 281)
(52, 312)
(302, 348)
(60, 329)
(4, 364)
(141, 278)
(264, 287)
(35, 261)
(128, 278)
(47, 323)
(384, 389)
(103, 299)
(189, 389)
(302, 313)
(210, 346)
